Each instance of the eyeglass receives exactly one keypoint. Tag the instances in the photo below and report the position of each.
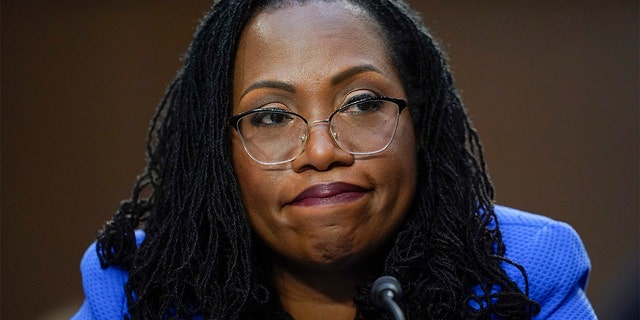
(274, 136)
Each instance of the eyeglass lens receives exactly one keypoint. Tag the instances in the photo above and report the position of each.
(276, 136)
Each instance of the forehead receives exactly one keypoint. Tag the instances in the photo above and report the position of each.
(326, 19)
(307, 33)
(321, 9)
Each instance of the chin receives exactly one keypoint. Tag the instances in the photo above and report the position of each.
(345, 255)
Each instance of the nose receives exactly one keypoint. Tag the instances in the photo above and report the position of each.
(321, 152)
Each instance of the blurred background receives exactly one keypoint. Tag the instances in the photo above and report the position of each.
(552, 88)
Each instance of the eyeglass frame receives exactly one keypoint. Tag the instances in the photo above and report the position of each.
(234, 122)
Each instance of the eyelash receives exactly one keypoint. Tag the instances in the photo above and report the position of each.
(360, 96)
(354, 98)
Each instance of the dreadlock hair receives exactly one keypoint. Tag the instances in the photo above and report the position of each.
(198, 256)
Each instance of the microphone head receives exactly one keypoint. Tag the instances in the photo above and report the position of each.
(386, 286)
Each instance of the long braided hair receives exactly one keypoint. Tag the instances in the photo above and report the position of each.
(199, 254)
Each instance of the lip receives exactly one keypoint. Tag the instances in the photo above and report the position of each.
(329, 194)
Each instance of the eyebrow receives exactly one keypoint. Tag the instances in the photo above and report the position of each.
(269, 84)
(352, 72)
(342, 76)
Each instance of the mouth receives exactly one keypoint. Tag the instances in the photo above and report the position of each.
(329, 194)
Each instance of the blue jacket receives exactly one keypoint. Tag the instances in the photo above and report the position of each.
(550, 251)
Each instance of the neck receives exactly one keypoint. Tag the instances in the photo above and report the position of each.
(313, 294)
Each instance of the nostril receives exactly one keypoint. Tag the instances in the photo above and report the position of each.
(321, 150)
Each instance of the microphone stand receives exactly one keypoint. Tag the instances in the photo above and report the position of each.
(385, 292)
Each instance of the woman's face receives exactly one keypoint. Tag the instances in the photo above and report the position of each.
(327, 208)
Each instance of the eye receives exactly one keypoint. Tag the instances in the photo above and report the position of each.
(269, 118)
(366, 95)
(367, 104)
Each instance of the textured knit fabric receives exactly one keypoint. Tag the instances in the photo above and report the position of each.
(555, 260)
(551, 252)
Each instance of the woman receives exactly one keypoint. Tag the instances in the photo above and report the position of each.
(305, 149)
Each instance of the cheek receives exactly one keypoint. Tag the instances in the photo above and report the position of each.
(404, 166)
(249, 177)
(257, 189)
(403, 155)
(395, 177)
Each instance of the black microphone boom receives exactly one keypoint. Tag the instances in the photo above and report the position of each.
(385, 293)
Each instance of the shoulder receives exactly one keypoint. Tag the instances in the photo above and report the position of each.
(555, 260)
(103, 288)
(529, 237)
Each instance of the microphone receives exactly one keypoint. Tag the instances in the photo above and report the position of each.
(385, 292)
